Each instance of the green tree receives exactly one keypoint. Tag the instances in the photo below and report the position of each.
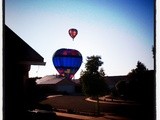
(141, 88)
(92, 79)
(121, 87)
(137, 82)
(153, 51)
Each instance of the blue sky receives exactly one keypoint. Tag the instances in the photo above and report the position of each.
(120, 31)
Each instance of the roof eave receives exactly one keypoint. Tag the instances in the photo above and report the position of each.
(32, 63)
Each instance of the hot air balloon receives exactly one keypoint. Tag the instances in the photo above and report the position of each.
(73, 32)
(67, 62)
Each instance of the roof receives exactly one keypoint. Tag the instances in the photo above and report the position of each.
(18, 50)
(53, 79)
(66, 82)
(112, 80)
(116, 78)
(49, 79)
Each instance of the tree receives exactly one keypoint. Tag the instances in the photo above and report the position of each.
(141, 88)
(153, 51)
(137, 82)
(92, 79)
(121, 87)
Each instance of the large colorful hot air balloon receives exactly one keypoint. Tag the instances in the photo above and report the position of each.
(73, 32)
(67, 62)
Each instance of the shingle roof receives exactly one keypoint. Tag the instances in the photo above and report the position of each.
(53, 79)
(112, 80)
(49, 79)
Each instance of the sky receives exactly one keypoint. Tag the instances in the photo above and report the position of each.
(120, 31)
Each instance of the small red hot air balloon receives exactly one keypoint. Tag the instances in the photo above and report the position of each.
(73, 32)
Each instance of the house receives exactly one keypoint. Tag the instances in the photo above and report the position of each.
(18, 56)
(54, 83)
(112, 80)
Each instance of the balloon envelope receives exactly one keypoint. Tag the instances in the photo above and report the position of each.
(67, 62)
(73, 32)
